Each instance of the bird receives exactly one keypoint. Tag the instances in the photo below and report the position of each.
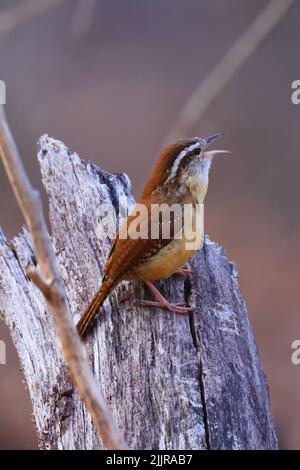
(180, 177)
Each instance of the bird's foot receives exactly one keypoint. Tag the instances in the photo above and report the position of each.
(161, 302)
(176, 308)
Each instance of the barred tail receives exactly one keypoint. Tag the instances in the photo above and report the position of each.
(86, 321)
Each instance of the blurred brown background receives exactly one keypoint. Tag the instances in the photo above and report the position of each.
(108, 78)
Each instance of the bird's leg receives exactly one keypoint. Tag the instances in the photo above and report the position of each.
(183, 272)
(162, 302)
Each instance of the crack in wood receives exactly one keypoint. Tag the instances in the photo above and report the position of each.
(187, 294)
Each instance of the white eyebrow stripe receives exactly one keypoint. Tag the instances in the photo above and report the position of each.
(178, 159)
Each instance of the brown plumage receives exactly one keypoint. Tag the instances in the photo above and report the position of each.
(125, 259)
(174, 179)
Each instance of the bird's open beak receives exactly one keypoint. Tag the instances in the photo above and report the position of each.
(213, 137)
(212, 153)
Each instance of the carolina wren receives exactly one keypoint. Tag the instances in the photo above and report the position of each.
(180, 176)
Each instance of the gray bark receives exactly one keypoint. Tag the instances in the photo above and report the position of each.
(172, 381)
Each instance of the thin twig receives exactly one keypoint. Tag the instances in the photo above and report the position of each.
(24, 12)
(228, 66)
(30, 204)
(45, 287)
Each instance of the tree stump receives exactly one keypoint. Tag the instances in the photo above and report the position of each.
(172, 381)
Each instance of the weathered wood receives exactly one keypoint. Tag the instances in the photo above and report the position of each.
(173, 382)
